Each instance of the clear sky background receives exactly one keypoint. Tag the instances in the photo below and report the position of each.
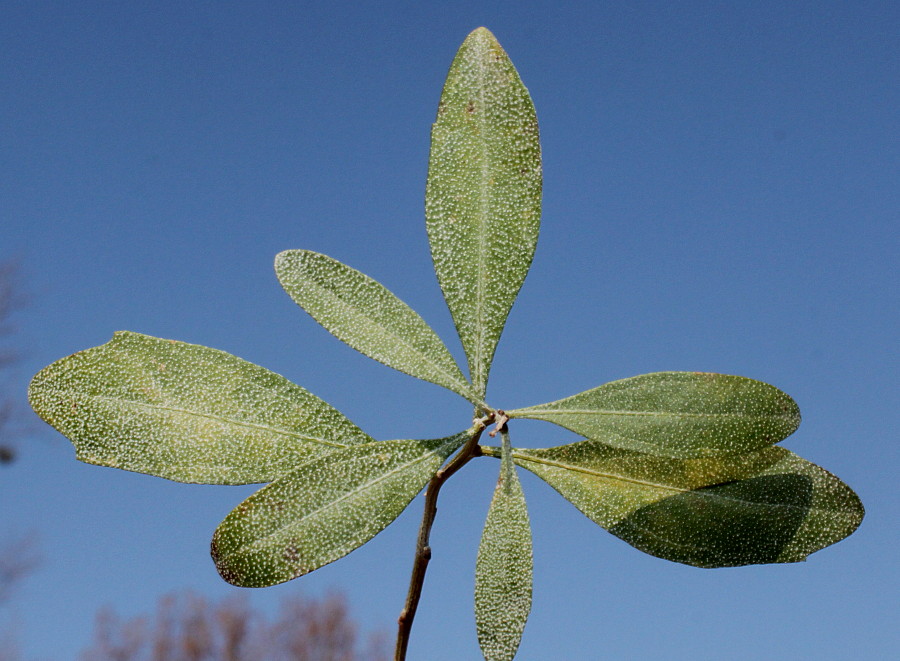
(720, 194)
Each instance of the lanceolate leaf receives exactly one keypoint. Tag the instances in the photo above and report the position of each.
(760, 507)
(483, 197)
(361, 312)
(676, 414)
(503, 570)
(185, 412)
(324, 509)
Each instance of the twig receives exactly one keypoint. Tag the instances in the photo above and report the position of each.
(423, 549)
(499, 424)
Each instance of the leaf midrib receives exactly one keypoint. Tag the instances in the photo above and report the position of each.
(653, 485)
(206, 416)
(533, 413)
(594, 472)
(481, 277)
(314, 513)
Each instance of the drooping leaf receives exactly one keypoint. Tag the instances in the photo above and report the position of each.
(676, 414)
(483, 196)
(185, 412)
(503, 570)
(324, 509)
(760, 507)
(361, 312)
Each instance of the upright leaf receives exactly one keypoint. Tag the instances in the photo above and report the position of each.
(361, 312)
(503, 570)
(676, 414)
(760, 507)
(185, 412)
(324, 509)
(483, 197)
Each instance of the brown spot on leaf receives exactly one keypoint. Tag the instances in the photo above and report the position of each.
(291, 554)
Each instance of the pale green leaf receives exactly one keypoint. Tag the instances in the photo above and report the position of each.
(361, 312)
(503, 570)
(676, 414)
(324, 509)
(760, 507)
(483, 196)
(185, 412)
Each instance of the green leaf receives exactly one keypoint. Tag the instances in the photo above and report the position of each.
(761, 507)
(676, 414)
(324, 509)
(483, 196)
(185, 412)
(361, 312)
(503, 570)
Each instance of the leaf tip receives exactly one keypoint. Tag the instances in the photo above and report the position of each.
(481, 33)
(481, 40)
(282, 258)
(228, 573)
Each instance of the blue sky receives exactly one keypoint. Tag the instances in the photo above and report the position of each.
(720, 194)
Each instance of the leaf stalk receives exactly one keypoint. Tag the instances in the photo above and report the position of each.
(423, 547)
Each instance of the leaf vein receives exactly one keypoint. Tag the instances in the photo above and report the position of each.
(208, 416)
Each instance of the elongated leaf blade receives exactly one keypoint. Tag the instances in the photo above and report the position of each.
(676, 414)
(761, 507)
(503, 570)
(483, 197)
(185, 412)
(324, 510)
(361, 312)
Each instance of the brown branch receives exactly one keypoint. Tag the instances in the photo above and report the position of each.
(423, 549)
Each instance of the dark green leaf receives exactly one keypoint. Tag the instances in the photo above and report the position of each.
(676, 414)
(324, 509)
(760, 507)
(185, 412)
(483, 197)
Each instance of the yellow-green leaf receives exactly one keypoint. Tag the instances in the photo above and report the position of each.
(760, 507)
(483, 196)
(361, 312)
(676, 414)
(324, 509)
(185, 412)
